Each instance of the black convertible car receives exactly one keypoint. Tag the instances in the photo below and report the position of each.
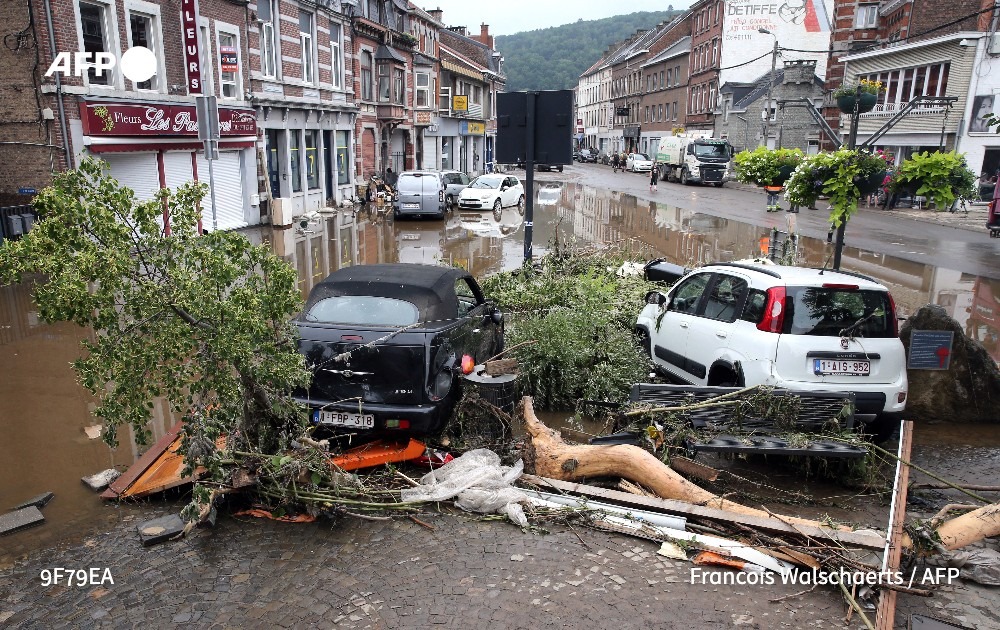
(387, 345)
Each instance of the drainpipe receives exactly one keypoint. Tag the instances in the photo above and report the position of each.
(59, 92)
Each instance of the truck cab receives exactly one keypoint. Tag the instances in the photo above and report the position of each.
(691, 160)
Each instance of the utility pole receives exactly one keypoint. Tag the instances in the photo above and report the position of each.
(770, 84)
(852, 142)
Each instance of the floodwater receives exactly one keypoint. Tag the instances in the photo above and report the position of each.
(44, 412)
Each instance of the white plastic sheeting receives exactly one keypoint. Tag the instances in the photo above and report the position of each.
(478, 481)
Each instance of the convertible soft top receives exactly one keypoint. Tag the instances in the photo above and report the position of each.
(430, 288)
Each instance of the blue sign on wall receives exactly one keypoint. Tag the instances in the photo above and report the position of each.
(26, 191)
(930, 350)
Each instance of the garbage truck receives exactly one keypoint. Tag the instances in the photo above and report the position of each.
(692, 159)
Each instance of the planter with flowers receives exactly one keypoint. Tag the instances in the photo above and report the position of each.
(767, 167)
(844, 176)
(941, 177)
(864, 93)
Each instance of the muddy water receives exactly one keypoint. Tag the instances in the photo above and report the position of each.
(43, 411)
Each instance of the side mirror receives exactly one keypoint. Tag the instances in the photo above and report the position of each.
(497, 316)
(655, 297)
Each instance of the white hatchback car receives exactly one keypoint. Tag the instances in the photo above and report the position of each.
(492, 192)
(744, 324)
(638, 163)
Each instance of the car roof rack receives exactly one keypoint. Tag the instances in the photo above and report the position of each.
(761, 269)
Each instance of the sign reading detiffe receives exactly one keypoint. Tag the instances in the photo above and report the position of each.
(192, 58)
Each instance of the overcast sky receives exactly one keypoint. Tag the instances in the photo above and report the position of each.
(513, 16)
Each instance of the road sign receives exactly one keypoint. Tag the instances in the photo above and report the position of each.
(930, 349)
(207, 109)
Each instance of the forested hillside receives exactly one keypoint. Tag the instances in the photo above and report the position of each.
(553, 58)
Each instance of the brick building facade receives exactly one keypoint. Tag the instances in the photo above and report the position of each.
(707, 18)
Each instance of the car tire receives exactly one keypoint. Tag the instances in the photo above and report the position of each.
(560, 168)
(642, 338)
(520, 205)
(395, 214)
(450, 201)
(497, 209)
(684, 178)
(718, 184)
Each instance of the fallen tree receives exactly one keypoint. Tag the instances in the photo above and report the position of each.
(547, 455)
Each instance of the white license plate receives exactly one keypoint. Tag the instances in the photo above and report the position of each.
(411, 206)
(842, 368)
(342, 419)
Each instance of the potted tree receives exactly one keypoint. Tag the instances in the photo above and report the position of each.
(941, 177)
(844, 176)
(864, 93)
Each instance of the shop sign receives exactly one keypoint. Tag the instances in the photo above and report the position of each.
(120, 119)
(468, 128)
(460, 103)
(189, 34)
(228, 59)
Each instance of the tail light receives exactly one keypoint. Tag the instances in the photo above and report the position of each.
(440, 195)
(893, 319)
(396, 423)
(774, 311)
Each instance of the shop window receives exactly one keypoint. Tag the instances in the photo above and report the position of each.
(143, 32)
(272, 139)
(229, 65)
(308, 51)
(312, 160)
(337, 54)
(94, 21)
(366, 75)
(267, 44)
(398, 86)
(342, 157)
(294, 160)
(423, 89)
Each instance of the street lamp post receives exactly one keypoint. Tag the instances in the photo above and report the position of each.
(770, 83)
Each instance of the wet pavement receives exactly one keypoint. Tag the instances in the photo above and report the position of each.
(45, 448)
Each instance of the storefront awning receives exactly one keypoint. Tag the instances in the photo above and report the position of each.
(460, 69)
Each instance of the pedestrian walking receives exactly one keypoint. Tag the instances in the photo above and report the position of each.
(654, 176)
(614, 162)
(772, 197)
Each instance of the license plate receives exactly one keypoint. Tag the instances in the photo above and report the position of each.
(411, 206)
(342, 419)
(842, 368)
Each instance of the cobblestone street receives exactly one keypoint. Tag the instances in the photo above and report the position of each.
(398, 574)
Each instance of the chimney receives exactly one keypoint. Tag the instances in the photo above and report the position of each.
(799, 71)
(484, 36)
(436, 14)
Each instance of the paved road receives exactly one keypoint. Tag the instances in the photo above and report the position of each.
(874, 230)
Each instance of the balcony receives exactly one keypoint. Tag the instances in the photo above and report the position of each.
(390, 113)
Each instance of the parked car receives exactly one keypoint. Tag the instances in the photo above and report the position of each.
(587, 155)
(549, 167)
(455, 183)
(638, 163)
(428, 325)
(420, 193)
(745, 324)
(492, 191)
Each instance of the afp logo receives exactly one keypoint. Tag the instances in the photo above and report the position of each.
(137, 64)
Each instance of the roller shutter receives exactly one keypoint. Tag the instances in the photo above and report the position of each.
(228, 191)
(138, 171)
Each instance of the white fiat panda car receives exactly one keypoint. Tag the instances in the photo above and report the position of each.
(810, 330)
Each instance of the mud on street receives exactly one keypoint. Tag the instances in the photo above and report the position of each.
(398, 573)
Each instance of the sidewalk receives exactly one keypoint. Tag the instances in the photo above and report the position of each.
(973, 220)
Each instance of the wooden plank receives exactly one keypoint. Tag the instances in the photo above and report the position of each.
(140, 466)
(859, 539)
(886, 615)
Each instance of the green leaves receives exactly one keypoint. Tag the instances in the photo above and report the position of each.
(200, 321)
(835, 175)
(766, 167)
(941, 177)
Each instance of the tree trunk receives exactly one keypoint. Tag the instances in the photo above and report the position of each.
(970, 527)
(546, 454)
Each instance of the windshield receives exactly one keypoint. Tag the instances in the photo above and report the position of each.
(361, 310)
(486, 182)
(713, 150)
(640, 156)
(830, 312)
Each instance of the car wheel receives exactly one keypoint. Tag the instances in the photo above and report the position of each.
(642, 338)
(560, 168)
(395, 214)
(718, 184)
(520, 205)
(497, 209)
(450, 201)
(684, 178)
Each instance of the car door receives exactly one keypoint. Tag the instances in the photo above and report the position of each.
(710, 330)
(507, 189)
(478, 329)
(669, 339)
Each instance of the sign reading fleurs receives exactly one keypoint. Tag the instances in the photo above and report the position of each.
(192, 55)
(119, 119)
